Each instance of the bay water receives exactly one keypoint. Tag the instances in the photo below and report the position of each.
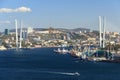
(44, 64)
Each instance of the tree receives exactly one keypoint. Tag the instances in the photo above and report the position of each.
(117, 47)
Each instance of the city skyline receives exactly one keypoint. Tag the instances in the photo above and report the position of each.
(60, 14)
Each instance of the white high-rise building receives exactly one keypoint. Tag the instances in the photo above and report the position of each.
(29, 30)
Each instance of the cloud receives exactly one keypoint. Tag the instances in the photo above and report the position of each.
(5, 10)
(20, 9)
(23, 9)
(5, 22)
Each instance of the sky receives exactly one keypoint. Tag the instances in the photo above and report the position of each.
(60, 13)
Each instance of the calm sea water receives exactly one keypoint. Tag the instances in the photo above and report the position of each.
(44, 64)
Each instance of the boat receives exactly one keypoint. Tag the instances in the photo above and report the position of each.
(115, 58)
(61, 51)
(75, 53)
(77, 74)
(100, 55)
(2, 48)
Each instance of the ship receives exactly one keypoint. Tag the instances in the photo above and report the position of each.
(61, 51)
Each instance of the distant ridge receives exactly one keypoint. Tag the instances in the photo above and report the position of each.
(61, 29)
